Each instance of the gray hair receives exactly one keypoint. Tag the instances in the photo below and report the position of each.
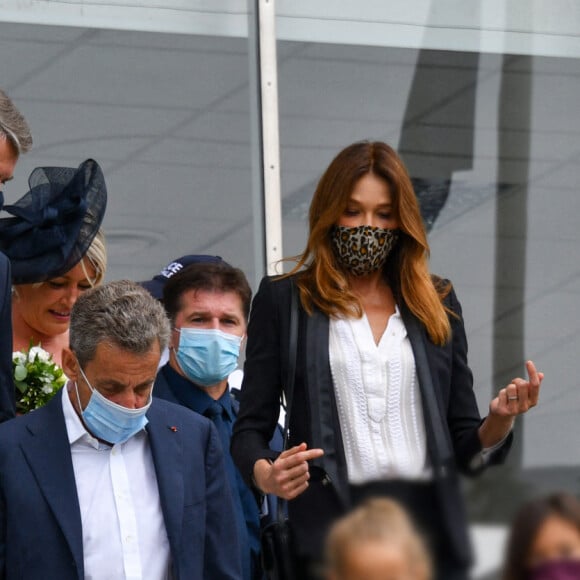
(13, 125)
(121, 314)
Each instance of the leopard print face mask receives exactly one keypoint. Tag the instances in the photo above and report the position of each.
(363, 249)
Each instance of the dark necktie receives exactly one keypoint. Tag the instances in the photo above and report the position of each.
(215, 412)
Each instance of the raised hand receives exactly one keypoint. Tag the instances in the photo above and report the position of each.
(520, 395)
(513, 400)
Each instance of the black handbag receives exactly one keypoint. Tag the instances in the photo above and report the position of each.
(279, 561)
(278, 551)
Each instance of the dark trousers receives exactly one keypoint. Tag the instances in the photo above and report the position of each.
(421, 501)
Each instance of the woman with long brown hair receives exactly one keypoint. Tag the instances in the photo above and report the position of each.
(383, 400)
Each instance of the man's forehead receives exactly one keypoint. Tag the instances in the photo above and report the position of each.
(211, 300)
(113, 365)
(106, 349)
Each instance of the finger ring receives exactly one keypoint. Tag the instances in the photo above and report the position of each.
(513, 398)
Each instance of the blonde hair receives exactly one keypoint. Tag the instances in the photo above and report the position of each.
(97, 256)
(323, 282)
(378, 520)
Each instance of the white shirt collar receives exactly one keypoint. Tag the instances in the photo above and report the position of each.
(74, 426)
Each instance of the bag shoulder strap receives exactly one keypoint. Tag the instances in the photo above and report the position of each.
(289, 386)
(292, 350)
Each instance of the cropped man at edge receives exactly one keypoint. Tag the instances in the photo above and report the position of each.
(15, 138)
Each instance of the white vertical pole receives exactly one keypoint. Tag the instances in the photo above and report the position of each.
(270, 132)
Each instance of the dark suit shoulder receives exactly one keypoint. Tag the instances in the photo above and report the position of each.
(274, 293)
(176, 415)
(14, 427)
(45, 427)
(279, 283)
(46, 416)
(161, 388)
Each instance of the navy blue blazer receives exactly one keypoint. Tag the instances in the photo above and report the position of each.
(163, 390)
(40, 523)
(173, 387)
(315, 420)
(7, 409)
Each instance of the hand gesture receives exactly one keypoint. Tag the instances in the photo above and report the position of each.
(519, 396)
(288, 476)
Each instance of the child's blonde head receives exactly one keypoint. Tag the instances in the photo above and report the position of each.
(376, 540)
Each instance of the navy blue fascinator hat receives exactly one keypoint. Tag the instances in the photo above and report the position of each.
(53, 224)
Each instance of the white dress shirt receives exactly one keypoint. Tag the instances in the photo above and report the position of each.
(124, 534)
(378, 399)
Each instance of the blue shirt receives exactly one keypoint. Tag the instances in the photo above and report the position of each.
(193, 397)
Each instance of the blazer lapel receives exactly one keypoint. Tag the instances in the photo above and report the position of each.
(437, 440)
(48, 454)
(167, 452)
(322, 403)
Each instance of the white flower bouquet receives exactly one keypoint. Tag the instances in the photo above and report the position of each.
(37, 378)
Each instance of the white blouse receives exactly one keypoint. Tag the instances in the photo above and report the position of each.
(379, 402)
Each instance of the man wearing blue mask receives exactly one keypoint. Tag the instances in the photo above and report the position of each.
(105, 482)
(208, 305)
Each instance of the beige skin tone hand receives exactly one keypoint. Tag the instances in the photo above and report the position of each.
(515, 399)
(288, 476)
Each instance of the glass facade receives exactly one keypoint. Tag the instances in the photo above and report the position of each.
(168, 118)
(489, 127)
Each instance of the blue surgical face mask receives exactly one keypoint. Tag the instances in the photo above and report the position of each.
(107, 420)
(207, 356)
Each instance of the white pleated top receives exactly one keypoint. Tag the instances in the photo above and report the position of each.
(379, 402)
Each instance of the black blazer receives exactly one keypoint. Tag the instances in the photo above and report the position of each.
(315, 419)
(6, 381)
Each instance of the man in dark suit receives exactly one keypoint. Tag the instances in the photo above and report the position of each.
(208, 304)
(15, 138)
(105, 482)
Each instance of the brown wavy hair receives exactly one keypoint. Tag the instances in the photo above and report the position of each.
(322, 281)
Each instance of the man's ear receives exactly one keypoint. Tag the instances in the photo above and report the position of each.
(173, 339)
(70, 364)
